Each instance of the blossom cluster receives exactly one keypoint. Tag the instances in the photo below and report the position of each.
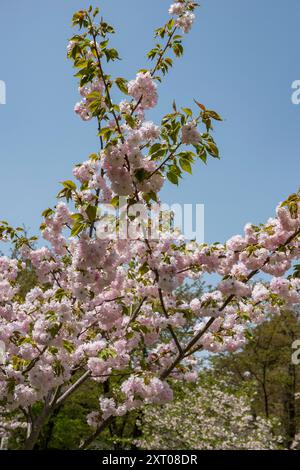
(82, 108)
(185, 17)
(143, 90)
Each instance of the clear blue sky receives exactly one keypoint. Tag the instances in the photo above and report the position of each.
(241, 58)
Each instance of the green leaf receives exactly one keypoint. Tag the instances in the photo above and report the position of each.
(203, 155)
(51, 316)
(95, 102)
(94, 157)
(115, 201)
(96, 11)
(151, 196)
(130, 120)
(187, 111)
(141, 174)
(47, 212)
(103, 44)
(69, 185)
(187, 155)
(135, 326)
(111, 54)
(122, 85)
(144, 269)
(53, 330)
(296, 272)
(161, 152)
(172, 177)
(214, 115)
(68, 346)
(107, 353)
(177, 48)
(77, 217)
(154, 148)
(91, 212)
(58, 368)
(106, 133)
(169, 61)
(77, 228)
(185, 165)
(201, 106)
(60, 293)
(213, 149)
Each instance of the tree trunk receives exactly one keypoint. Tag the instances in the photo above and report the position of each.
(36, 428)
(264, 386)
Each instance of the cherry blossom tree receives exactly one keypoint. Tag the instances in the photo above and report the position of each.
(104, 306)
(209, 417)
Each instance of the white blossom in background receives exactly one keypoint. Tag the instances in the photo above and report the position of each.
(208, 418)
